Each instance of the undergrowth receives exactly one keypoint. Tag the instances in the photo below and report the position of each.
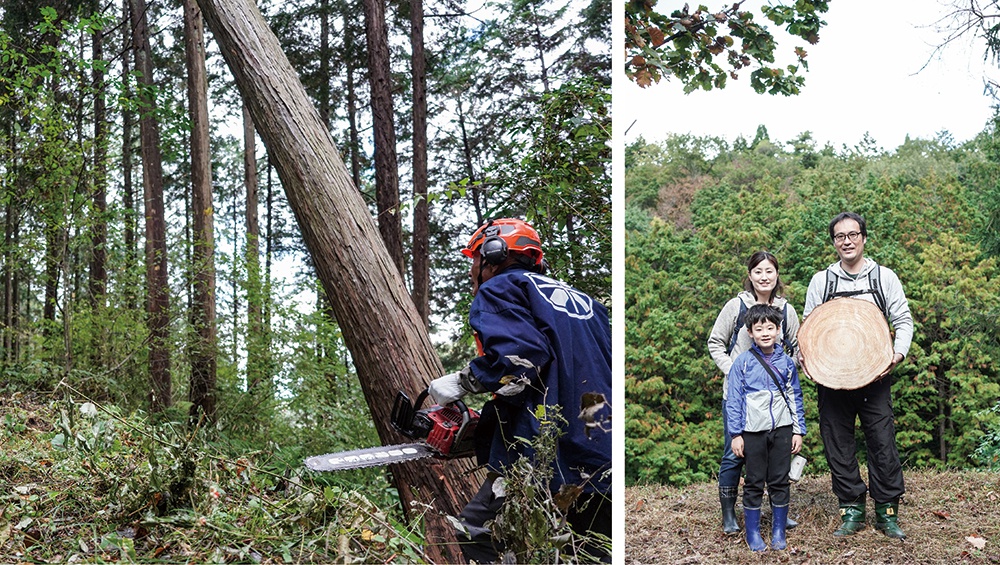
(81, 482)
(533, 520)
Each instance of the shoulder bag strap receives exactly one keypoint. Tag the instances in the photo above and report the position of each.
(774, 378)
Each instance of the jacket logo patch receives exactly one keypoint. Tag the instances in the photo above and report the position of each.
(563, 297)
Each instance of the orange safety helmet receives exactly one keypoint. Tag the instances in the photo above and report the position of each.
(497, 238)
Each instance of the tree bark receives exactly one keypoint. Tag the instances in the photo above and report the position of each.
(324, 61)
(255, 292)
(352, 96)
(99, 238)
(11, 275)
(470, 171)
(52, 246)
(390, 224)
(203, 353)
(128, 190)
(157, 291)
(421, 228)
(389, 345)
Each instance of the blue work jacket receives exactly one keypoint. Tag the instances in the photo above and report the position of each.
(545, 343)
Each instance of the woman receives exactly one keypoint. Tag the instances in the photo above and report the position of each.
(728, 339)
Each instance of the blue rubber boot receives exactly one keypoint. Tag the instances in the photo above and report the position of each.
(751, 518)
(779, 517)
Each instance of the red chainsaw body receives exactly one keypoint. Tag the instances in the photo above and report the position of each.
(449, 430)
(444, 435)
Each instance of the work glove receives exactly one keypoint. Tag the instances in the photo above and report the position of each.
(447, 389)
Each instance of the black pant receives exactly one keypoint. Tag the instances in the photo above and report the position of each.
(768, 457)
(838, 411)
(479, 544)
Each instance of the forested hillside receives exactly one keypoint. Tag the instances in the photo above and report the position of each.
(698, 207)
(155, 267)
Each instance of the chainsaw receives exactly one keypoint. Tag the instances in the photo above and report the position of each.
(445, 432)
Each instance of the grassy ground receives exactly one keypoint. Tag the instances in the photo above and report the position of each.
(80, 484)
(948, 517)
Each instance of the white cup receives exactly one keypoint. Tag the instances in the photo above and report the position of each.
(798, 464)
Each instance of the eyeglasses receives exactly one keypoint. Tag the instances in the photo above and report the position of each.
(840, 237)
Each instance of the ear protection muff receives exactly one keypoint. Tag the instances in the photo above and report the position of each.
(494, 250)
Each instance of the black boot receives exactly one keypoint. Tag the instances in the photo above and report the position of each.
(727, 498)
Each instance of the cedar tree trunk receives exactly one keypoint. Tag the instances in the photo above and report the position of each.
(381, 326)
(157, 291)
(203, 352)
(421, 230)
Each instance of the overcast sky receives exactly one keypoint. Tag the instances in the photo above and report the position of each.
(864, 76)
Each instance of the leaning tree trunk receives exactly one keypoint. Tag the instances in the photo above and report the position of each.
(381, 326)
(470, 171)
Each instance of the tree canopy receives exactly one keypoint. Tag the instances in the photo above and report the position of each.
(704, 48)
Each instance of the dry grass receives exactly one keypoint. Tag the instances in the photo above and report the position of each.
(940, 511)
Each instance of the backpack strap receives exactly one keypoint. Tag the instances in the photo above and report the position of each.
(785, 340)
(875, 284)
(874, 288)
(736, 329)
(830, 290)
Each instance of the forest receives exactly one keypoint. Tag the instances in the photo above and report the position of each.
(698, 207)
(190, 307)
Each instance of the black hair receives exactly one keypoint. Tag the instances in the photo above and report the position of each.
(849, 216)
(762, 312)
(756, 259)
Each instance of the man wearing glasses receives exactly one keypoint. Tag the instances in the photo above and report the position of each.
(859, 277)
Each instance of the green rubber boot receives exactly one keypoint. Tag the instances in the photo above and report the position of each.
(853, 519)
(885, 519)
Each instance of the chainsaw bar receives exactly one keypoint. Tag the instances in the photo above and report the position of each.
(369, 457)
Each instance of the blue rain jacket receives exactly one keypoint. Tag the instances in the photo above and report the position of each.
(755, 404)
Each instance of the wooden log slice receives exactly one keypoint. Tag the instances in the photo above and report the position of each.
(845, 343)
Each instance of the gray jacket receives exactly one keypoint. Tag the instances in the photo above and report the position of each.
(725, 325)
(895, 298)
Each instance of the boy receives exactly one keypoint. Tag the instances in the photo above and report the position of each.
(766, 422)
